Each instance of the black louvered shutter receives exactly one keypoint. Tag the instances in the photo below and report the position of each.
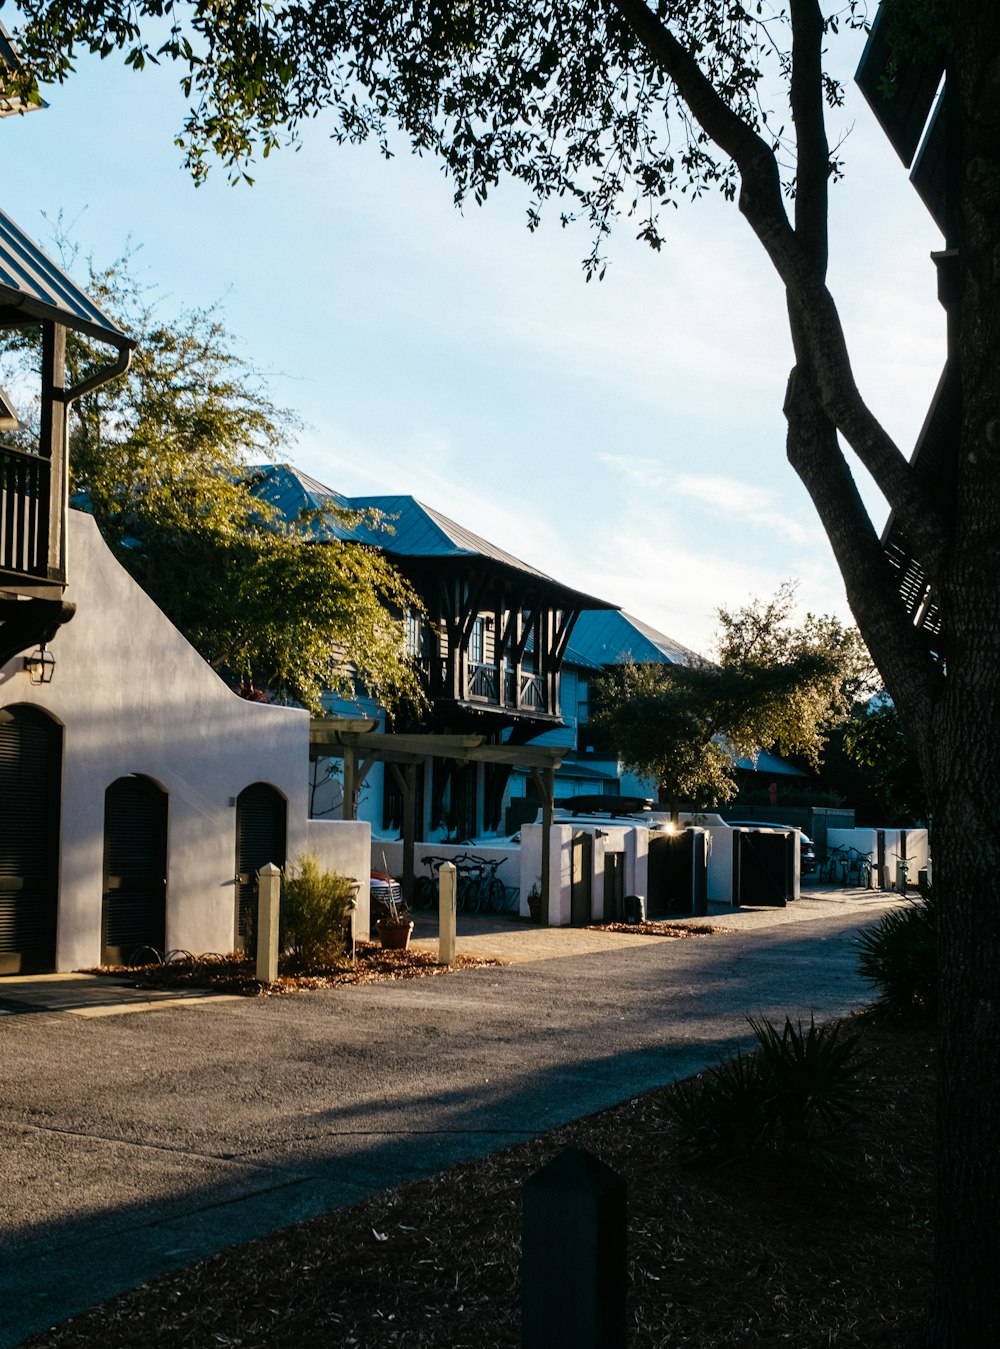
(30, 758)
(260, 838)
(135, 868)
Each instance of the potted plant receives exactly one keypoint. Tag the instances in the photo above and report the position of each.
(395, 927)
(535, 903)
(394, 933)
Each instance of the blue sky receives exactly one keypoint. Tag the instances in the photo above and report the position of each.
(625, 436)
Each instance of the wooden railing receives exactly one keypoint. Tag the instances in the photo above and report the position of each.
(25, 482)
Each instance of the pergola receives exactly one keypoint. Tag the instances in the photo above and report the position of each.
(361, 746)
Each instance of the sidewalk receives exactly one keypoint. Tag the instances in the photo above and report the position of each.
(517, 941)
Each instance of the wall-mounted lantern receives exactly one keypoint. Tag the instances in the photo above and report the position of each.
(40, 665)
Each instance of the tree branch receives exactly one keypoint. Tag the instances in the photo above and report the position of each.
(762, 206)
(897, 648)
(812, 159)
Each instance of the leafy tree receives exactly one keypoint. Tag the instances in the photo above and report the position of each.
(874, 739)
(624, 107)
(775, 686)
(160, 457)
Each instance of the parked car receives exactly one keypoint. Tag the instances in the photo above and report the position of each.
(807, 849)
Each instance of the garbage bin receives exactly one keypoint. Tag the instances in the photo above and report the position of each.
(634, 908)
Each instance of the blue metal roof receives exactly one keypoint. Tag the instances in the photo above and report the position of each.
(407, 527)
(32, 283)
(612, 637)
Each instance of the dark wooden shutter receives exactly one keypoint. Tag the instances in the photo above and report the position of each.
(30, 763)
(135, 871)
(261, 825)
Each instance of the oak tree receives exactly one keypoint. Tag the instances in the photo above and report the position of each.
(611, 107)
(162, 457)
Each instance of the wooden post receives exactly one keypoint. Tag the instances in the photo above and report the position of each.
(268, 907)
(545, 780)
(447, 912)
(350, 787)
(573, 1265)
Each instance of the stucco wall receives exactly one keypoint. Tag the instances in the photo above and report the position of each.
(135, 698)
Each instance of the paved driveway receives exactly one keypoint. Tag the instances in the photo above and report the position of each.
(141, 1136)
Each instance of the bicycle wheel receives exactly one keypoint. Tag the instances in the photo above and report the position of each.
(474, 894)
(497, 892)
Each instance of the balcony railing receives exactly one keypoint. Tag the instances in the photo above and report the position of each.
(524, 693)
(484, 683)
(24, 513)
(532, 693)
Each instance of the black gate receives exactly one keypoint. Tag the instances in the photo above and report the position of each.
(763, 867)
(581, 880)
(30, 763)
(677, 877)
(261, 825)
(134, 908)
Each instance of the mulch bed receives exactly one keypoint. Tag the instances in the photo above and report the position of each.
(756, 1254)
(659, 928)
(231, 974)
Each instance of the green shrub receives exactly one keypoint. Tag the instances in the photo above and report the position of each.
(794, 1093)
(899, 956)
(315, 916)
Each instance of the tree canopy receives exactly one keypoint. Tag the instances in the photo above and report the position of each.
(622, 107)
(776, 685)
(160, 457)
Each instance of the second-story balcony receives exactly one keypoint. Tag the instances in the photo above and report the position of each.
(25, 509)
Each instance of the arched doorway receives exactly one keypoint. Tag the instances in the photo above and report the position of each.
(261, 831)
(30, 792)
(134, 908)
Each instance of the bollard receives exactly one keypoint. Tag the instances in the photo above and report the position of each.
(447, 912)
(268, 905)
(573, 1268)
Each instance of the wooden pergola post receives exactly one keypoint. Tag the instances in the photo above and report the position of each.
(545, 781)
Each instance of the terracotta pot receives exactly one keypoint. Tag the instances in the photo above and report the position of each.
(393, 934)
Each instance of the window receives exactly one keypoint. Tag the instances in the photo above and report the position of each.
(477, 641)
(414, 635)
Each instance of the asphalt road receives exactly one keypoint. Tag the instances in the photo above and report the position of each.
(140, 1142)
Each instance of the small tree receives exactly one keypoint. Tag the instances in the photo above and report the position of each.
(160, 457)
(775, 686)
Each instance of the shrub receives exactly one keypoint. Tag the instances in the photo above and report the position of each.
(794, 1093)
(899, 956)
(315, 915)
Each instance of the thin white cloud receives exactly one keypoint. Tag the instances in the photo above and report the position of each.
(730, 498)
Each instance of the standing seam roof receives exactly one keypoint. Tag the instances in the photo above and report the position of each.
(31, 281)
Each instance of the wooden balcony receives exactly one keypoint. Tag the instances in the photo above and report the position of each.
(25, 520)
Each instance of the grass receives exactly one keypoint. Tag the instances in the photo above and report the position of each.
(759, 1253)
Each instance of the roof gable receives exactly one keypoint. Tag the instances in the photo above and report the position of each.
(612, 637)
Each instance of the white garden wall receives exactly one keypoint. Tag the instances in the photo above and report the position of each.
(134, 697)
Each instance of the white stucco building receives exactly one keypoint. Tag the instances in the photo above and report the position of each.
(136, 789)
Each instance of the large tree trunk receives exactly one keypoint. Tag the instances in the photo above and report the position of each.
(965, 787)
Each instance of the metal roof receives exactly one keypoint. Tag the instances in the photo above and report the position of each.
(32, 284)
(411, 529)
(612, 637)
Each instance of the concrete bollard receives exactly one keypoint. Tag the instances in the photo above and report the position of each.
(573, 1265)
(268, 906)
(447, 912)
